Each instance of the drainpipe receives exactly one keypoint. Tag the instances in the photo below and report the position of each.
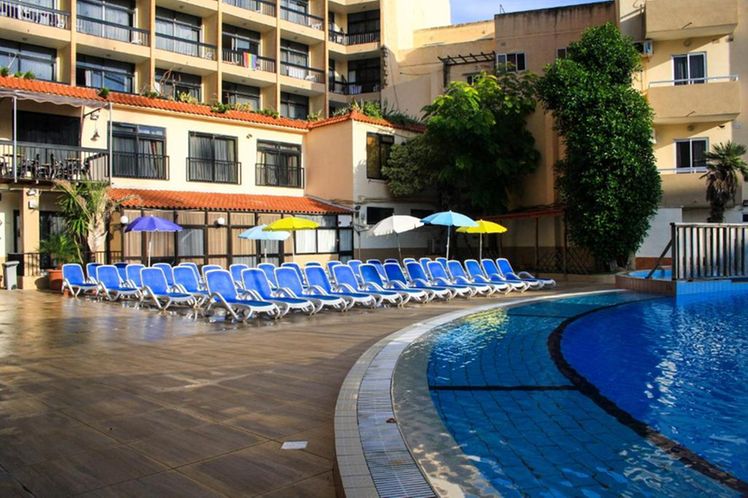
(109, 146)
(15, 139)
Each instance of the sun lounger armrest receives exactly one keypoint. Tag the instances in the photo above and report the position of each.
(347, 288)
(317, 290)
(524, 274)
(397, 285)
(284, 292)
(462, 281)
(372, 286)
(421, 282)
(441, 281)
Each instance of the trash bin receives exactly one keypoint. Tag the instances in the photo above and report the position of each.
(10, 274)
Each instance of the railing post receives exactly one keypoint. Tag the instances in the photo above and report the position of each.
(675, 270)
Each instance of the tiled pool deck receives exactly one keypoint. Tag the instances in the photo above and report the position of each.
(105, 400)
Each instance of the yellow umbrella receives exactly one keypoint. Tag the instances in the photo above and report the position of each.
(481, 227)
(291, 224)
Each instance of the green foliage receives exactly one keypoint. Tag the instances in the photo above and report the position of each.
(187, 98)
(378, 111)
(476, 147)
(103, 92)
(28, 75)
(4, 71)
(269, 112)
(61, 248)
(220, 107)
(608, 179)
(314, 116)
(724, 163)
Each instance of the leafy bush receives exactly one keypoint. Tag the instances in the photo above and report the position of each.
(269, 112)
(4, 71)
(103, 92)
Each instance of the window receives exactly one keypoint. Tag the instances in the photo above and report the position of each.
(472, 78)
(36, 127)
(24, 57)
(241, 40)
(689, 69)
(177, 32)
(363, 22)
(279, 165)
(102, 18)
(320, 241)
(377, 153)
(376, 214)
(691, 153)
(234, 93)
(172, 84)
(139, 151)
(511, 62)
(99, 73)
(364, 76)
(294, 53)
(294, 106)
(301, 6)
(212, 159)
(561, 53)
(190, 242)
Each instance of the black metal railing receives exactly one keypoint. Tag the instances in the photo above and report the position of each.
(35, 13)
(702, 251)
(250, 61)
(34, 264)
(137, 165)
(185, 47)
(345, 88)
(35, 162)
(112, 31)
(302, 72)
(344, 38)
(261, 6)
(273, 175)
(213, 170)
(299, 17)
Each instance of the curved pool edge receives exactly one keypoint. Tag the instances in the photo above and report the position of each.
(372, 456)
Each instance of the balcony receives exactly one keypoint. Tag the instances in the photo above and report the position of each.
(35, 162)
(302, 72)
(112, 31)
(344, 88)
(299, 17)
(346, 39)
(715, 99)
(250, 61)
(186, 47)
(274, 175)
(36, 14)
(213, 170)
(685, 189)
(680, 19)
(138, 165)
(261, 6)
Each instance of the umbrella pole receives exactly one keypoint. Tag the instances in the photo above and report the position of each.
(148, 234)
(399, 251)
(265, 250)
(449, 232)
(480, 247)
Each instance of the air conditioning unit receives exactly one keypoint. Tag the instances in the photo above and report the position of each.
(648, 48)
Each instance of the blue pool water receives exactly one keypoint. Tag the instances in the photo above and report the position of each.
(682, 369)
(530, 430)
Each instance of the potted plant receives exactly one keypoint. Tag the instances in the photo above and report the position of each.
(61, 249)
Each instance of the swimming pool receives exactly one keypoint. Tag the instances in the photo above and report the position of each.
(588, 396)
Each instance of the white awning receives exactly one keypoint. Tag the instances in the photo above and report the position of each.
(49, 98)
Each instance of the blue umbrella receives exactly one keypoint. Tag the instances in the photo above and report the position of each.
(259, 233)
(449, 219)
(150, 224)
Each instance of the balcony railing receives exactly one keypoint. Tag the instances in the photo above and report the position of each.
(35, 13)
(299, 17)
(344, 88)
(261, 6)
(683, 171)
(273, 175)
(185, 47)
(137, 165)
(213, 170)
(112, 31)
(353, 39)
(693, 81)
(250, 61)
(34, 264)
(302, 72)
(45, 162)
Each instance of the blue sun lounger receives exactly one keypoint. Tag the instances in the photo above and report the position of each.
(112, 285)
(269, 269)
(297, 268)
(395, 274)
(236, 273)
(186, 280)
(457, 271)
(73, 279)
(156, 288)
(168, 272)
(489, 266)
(475, 270)
(345, 279)
(416, 272)
(378, 266)
(91, 272)
(289, 282)
(133, 272)
(374, 280)
(223, 293)
(505, 267)
(256, 284)
(439, 275)
(319, 280)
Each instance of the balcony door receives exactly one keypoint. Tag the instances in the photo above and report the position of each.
(213, 159)
(107, 18)
(36, 127)
(177, 32)
(138, 151)
(689, 69)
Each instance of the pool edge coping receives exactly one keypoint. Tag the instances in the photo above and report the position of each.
(353, 469)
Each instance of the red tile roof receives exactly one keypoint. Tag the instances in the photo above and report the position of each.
(127, 99)
(166, 199)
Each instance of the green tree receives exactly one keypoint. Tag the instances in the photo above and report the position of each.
(608, 179)
(476, 146)
(724, 163)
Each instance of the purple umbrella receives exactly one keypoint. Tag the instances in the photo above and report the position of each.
(150, 224)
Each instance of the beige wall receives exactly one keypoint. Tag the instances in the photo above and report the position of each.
(329, 156)
(666, 136)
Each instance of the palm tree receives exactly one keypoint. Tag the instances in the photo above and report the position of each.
(724, 163)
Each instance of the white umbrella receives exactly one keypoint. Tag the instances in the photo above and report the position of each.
(396, 224)
(259, 233)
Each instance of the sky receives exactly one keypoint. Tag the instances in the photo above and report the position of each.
(480, 10)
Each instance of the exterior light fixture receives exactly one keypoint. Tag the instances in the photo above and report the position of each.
(221, 221)
(124, 220)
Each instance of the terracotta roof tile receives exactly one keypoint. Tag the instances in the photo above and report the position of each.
(166, 199)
